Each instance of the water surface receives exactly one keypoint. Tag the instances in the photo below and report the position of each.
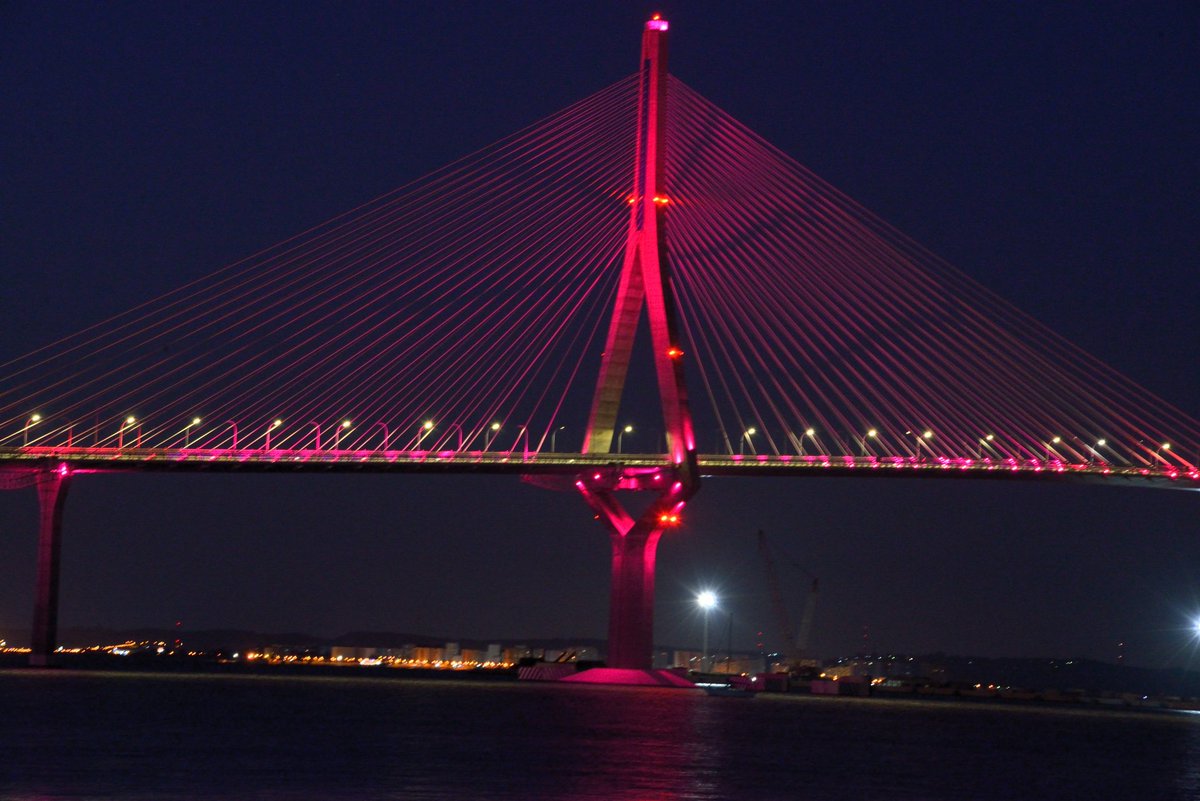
(89, 735)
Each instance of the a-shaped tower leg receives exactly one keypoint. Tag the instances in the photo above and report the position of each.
(644, 282)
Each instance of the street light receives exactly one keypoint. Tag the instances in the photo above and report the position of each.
(493, 429)
(425, 428)
(129, 422)
(337, 433)
(923, 439)
(274, 425)
(187, 432)
(33, 419)
(862, 442)
(746, 435)
(811, 433)
(706, 600)
(554, 439)
(621, 436)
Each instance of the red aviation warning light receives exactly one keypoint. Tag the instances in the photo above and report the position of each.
(657, 23)
(669, 519)
(658, 200)
(674, 352)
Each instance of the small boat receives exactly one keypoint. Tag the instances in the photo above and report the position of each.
(725, 689)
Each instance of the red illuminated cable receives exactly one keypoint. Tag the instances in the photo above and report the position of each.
(478, 293)
(132, 375)
(891, 261)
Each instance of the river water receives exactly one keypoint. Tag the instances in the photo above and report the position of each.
(90, 735)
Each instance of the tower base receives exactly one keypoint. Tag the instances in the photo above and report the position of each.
(631, 678)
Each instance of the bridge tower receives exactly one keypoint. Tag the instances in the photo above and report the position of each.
(645, 281)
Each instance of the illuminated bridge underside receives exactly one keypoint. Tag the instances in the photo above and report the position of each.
(27, 461)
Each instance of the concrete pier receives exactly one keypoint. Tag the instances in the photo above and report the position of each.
(52, 484)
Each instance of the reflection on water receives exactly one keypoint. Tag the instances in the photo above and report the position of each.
(66, 735)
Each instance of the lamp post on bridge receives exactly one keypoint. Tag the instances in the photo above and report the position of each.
(746, 437)
(620, 436)
(129, 422)
(492, 431)
(337, 433)
(267, 439)
(862, 442)
(187, 432)
(554, 438)
(922, 439)
(986, 443)
(809, 432)
(422, 430)
(34, 419)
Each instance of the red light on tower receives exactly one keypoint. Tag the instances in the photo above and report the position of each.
(656, 23)
(661, 200)
(668, 519)
(674, 352)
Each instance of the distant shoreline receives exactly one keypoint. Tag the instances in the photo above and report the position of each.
(15, 663)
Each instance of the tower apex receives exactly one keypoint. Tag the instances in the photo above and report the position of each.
(656, 23)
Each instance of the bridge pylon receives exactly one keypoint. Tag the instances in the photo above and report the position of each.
(52, 483)
(644, 282)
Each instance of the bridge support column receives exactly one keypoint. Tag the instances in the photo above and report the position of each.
(631, 608)
(52, 495)
(634, 546)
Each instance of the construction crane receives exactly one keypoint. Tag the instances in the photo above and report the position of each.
(795, 642)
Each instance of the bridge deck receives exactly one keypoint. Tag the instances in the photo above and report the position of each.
(26, 459)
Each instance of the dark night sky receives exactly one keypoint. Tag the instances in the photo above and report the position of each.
(1048, 150)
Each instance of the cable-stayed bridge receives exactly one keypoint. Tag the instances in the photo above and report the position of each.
(460, 323)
